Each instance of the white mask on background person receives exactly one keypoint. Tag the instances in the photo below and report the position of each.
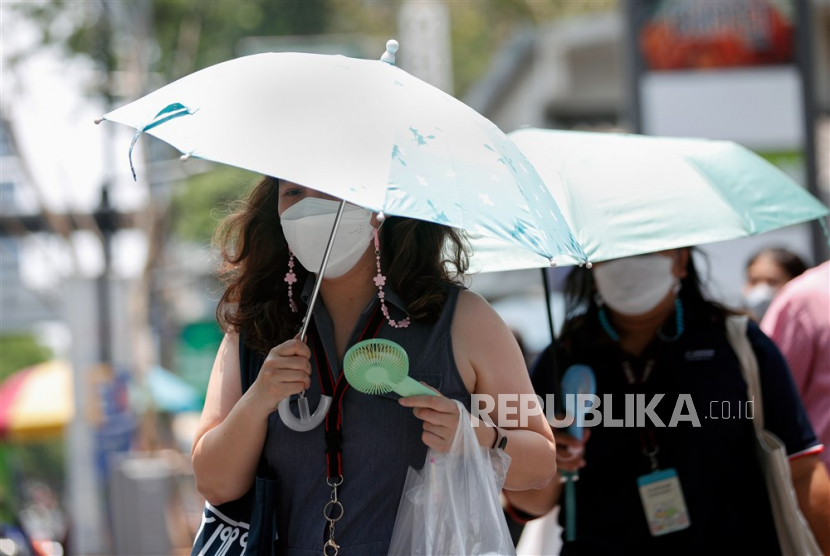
(758, 298)
(307, 226)
(635, 285)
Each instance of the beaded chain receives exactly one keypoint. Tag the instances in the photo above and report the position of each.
(291, 279)
(380, 281)
(603, 320)
(679, 327)
(678, 313)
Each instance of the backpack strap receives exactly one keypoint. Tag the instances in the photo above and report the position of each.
(250, 362)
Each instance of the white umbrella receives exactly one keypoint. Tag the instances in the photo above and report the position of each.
(364, 131)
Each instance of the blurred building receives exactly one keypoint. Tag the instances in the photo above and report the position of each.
(575, 73)
(568, 74)
(604, 72)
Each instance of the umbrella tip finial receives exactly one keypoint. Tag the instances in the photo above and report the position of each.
(185, 157)
(389, 56)
(589, 264)
(381, 216)
(552, 263)
(98, 120)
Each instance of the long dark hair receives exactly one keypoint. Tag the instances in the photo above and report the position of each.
(581, 309)
(419, 259)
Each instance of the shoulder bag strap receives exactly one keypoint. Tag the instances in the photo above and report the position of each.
(249, 363)
(249, 366)
(736, 334)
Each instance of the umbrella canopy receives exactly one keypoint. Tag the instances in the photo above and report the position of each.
(627, 195)
(36, 402)
(364, 131)
(171, 393)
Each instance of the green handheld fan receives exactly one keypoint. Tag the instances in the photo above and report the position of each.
(378, 366)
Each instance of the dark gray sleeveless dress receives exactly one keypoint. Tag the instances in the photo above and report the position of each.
(381, 440)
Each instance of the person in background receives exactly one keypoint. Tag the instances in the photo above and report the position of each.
(798, 321)
(644, 327)
(766, 272)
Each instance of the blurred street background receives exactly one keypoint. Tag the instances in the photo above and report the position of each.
(107, 329)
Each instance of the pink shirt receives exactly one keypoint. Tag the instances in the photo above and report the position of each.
(798, 321)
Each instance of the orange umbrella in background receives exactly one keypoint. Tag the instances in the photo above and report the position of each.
(36, 402)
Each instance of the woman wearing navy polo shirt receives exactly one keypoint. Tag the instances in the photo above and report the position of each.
(643, 326)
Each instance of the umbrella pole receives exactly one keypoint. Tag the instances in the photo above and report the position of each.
(314, 293)
(547, 303)
(307, 420)
(553, 368)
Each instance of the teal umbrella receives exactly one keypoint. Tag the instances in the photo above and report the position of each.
(170, 393)
(625, 195)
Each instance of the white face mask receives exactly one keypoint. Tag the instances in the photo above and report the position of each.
(758, 298)
(307, 227)
(635, 285)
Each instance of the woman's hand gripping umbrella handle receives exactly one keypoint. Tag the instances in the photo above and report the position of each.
(308, 421)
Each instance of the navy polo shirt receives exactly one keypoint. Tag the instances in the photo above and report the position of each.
(721, 478)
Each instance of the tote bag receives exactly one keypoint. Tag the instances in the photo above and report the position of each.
(794, 534)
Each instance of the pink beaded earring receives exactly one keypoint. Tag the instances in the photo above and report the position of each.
(291, 279)
(380, 281)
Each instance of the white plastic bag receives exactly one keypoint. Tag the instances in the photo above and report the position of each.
(451, 507)
(542, 535)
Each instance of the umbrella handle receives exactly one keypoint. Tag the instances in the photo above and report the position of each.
(568, 477)
(307, 421)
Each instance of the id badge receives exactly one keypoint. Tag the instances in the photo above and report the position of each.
(663, 502)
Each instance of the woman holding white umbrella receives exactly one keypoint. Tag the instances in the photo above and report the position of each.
(398, 271)
(415, 162)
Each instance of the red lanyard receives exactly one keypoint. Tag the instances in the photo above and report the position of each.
(333, 509)
(334, 419)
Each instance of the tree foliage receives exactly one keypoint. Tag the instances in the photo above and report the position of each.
(205, 33)
(178, 37)
(186, 34)
(200, 202)
(18, 351)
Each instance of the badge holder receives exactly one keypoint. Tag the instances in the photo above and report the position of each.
(662, 498)
(308, 421)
